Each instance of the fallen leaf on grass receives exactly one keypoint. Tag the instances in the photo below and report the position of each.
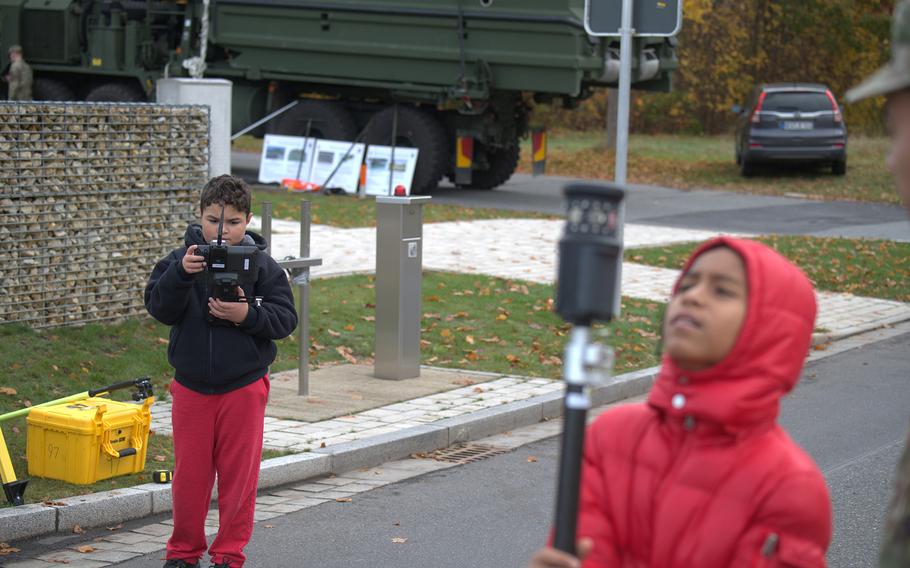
(160, 458)
(346, 353)
(368, 318)
(162, 340)
(333, 333)
(469, 339)
(399, 540)
(349, 327)
(85, 549)
(446, 333)
(344, 500)
(502, 317)
(9, 391)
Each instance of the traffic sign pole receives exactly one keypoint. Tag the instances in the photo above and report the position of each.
(625, 88)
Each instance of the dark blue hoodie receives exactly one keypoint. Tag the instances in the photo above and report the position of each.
(215, 359)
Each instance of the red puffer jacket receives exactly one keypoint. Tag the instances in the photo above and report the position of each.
(702, 476)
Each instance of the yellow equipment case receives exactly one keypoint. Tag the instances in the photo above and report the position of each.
(89, 440)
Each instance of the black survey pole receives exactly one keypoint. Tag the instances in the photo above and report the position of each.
(590, 263)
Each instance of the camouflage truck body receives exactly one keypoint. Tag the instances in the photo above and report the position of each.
(444, 67)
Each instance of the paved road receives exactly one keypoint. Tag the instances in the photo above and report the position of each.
(850, 412)
(709, 210)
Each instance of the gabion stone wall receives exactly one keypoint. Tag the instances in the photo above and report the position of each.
(91, 196)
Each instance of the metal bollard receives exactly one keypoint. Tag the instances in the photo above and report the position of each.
(300, 268)
(266, 228)
(399, 260)
(303, 294)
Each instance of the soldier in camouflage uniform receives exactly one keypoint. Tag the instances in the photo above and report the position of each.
(893, 81)
(19, 76)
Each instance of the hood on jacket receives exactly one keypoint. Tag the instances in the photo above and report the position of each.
(743, 391)
(193, 236)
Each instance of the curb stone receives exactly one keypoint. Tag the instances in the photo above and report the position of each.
(112, 507)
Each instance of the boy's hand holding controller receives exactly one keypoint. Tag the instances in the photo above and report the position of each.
(234, 312)
(193, 264)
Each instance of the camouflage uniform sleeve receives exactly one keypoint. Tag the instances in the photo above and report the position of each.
(896, 538)
(20, 81)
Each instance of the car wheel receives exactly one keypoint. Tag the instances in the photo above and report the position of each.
(839, 167)
(746, 168)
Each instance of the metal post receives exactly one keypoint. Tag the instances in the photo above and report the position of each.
(625, 87)
(303, 293)
(399, 257)
(266, 228)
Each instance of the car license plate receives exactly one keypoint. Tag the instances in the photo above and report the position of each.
(797, 125)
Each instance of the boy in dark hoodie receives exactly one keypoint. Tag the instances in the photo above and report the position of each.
(702, 475)
(221, 384)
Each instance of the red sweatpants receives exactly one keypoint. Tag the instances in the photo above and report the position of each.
(216, 433)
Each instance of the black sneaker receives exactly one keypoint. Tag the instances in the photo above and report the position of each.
(222, 565)
(180, 564)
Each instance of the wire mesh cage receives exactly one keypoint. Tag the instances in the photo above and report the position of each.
(91, 196)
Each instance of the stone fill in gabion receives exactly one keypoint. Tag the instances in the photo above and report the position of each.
(91, 195)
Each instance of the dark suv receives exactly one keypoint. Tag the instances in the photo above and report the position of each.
(793, 122)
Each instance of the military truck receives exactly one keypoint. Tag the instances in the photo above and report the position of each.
(432, 70)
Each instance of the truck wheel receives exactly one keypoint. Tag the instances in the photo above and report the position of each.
(502, 164)
(46, 89)
(115, 93)
(329, 120)
(416, 129)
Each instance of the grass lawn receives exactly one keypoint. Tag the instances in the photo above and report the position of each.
(878, 269)
(707, 162)
(471, 322)
(348, 211)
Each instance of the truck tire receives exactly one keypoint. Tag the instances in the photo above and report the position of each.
(330, 120)
(46, 89)
(416, 129)
(115, 93)
(502, 162)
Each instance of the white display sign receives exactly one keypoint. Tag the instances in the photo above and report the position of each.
(327, 157)
(380, 168)
(285, 157)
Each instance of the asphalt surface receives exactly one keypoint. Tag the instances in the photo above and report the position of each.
(696, 209)
(850, 412)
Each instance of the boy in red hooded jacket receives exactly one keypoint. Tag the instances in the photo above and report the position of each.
(702, 476)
